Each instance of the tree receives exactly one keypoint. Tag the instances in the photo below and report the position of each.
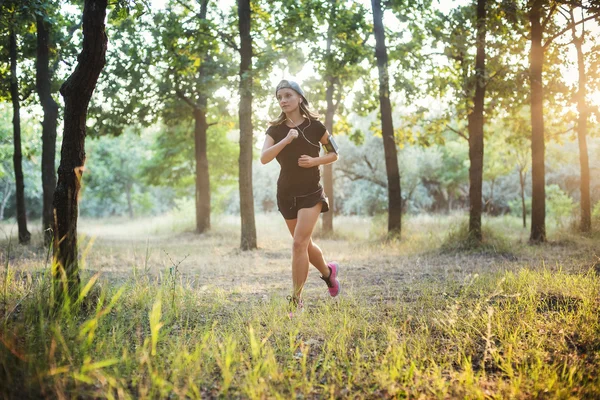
(196, 67)
(50, 107)
(477, 85)
(387, 128)
(14, 17)
(55, 44)
(540, 13)
(538, 198)
(77, 92)
(339, 66)
(475, 128)
(585, 224)
(248, 235)
(173, 76)
(24, 235)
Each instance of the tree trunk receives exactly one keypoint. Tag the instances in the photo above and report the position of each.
(523, 208)
(328, 169)
(475, 127)
(582, 110)
(50, 107)
(24, 235)
(538, 184)
(202, 175)
(77, 91)
(387, 128)
(200, 148)
(248, 239)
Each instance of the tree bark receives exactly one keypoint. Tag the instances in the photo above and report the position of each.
(24, 235)
(328, 169)
(327, 217)
(201, 151)
(248, 237)
(77, 91)
(538, 179)
(202, 173)
(582, 110)
(50, 107)
(475, 127)
(387, 127)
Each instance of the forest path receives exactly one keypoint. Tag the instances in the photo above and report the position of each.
(119, 249)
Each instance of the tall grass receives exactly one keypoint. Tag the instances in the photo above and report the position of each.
(531, 333)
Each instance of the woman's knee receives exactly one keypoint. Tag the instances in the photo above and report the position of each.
(301, 244)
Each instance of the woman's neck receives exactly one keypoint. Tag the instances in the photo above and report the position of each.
(295, 117)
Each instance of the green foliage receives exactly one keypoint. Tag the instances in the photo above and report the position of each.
(125, 93)
(596, 212)
(171, 160)
(126, 8)
(165, 63)
(516, 206)
(408, 45)
(336, 32)
(559, 204)
(31, 149)
(450, 68)
(112, 184)
(17, 17)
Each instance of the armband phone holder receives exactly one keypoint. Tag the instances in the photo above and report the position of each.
(331, 145)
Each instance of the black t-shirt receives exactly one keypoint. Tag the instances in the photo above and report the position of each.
(293, 179)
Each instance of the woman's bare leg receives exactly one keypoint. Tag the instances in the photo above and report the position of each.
(315, 255)
(307, 219)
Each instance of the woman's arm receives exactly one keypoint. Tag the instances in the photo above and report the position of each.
(329, 158)
(308, 162)
(270, 150)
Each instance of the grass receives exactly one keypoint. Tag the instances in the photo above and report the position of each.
(494, 239)
(415, 320)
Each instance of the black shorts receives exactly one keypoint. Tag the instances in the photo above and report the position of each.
(289, 205)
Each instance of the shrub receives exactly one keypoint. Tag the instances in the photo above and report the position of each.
(559, 204)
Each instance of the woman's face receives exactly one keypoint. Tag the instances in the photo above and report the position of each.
(288, 99)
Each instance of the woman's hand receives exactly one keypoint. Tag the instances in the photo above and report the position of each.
(307, 161)
(292, 134)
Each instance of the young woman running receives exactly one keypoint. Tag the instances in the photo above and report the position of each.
(295, 139)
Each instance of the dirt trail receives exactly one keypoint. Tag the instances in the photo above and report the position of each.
(118, 249)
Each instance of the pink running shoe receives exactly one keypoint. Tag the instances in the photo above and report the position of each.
(332, 282)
